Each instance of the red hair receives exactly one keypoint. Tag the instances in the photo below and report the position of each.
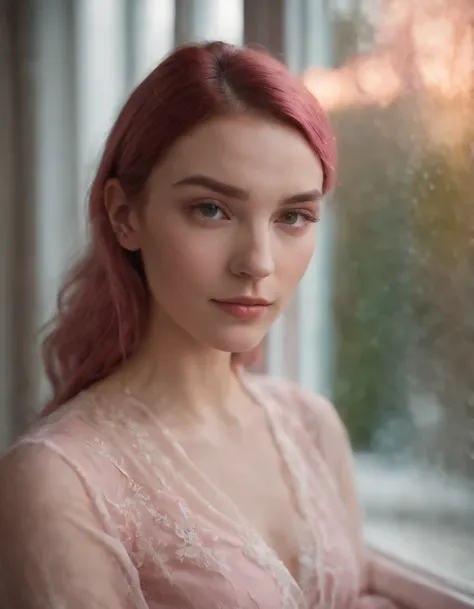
(102, 307)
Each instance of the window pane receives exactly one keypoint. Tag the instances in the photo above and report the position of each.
(400, 96)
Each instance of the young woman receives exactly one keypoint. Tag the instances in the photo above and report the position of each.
(161, 475)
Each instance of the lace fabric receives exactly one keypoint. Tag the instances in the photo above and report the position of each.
(102, 507)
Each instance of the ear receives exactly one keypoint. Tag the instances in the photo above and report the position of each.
(122, 216)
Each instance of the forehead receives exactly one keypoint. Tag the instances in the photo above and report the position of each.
(247, 151)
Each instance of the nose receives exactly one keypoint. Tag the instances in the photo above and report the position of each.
(253, 256)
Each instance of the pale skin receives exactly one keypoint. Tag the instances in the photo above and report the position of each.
(230, 212)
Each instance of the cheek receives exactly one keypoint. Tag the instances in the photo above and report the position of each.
(294, 260)
(179, 259)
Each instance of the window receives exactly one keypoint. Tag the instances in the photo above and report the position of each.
(392, 342)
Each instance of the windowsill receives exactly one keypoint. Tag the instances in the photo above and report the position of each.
(413, 588)
(443, 551)
(422, 523)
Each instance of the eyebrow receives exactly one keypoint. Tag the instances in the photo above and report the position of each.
(235, 192)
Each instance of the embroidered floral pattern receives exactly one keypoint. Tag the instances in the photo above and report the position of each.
(173, 535)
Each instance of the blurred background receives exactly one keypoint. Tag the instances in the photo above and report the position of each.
(383, 323)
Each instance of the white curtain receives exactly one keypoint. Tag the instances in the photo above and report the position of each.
(66, 68)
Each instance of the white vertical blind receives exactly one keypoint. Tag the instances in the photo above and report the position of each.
(54, 159)
(153, 37)
(229, 21)
(101, 84)
(54, 155)
(198, 20)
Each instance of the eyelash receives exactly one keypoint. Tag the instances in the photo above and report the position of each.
(206, 204)
(308, 217)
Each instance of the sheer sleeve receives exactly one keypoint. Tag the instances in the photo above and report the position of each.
(55, 550)
(335, 446)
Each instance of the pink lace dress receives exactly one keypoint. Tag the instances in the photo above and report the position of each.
(101, 508)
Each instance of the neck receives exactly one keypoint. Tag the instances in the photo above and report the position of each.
(173, 373)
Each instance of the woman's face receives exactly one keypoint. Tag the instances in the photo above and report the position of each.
(229, 220)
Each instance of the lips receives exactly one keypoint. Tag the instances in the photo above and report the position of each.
(243, 307)
(246, 301)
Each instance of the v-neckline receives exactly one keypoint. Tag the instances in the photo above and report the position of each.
(294, 484)
(245, 530)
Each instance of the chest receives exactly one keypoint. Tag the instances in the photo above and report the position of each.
(185, 506)
(245, 475)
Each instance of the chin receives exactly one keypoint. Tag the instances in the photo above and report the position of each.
(239, 340)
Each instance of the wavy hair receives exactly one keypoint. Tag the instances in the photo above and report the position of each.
(102, 306)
